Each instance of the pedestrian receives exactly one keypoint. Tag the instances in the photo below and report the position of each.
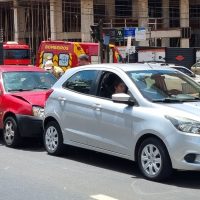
(83, 60)
(48, 66)
(55, 70)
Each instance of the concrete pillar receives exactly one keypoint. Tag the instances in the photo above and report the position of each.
(87, 19)
(166, 24)
(184, 20)
(134, 8)
(110, 11)
(19, 21)
(143, 18)
(56, 19)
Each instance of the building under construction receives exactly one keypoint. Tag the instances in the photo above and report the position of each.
(168, 22)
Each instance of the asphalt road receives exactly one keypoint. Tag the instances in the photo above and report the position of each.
(28, 173)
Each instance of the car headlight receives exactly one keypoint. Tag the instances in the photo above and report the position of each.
(185, 125)
(38, 111)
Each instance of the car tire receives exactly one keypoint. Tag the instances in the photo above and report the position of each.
(53, 139)
(153, 160)
(11, 133)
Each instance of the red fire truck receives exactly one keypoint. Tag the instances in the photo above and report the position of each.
(15, 53)
(65, 54)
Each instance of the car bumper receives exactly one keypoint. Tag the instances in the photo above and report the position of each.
(181, 146)
(29, 126)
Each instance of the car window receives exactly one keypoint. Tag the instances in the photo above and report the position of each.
(156, 85)
(22, 81)
(184, 70)
(82, 81)
(196, 65)
(111, 84)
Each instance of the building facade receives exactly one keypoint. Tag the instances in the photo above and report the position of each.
(32, 21)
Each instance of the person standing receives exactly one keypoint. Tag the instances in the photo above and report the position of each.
(83, 60)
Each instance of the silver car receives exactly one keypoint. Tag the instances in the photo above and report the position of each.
(153, 119)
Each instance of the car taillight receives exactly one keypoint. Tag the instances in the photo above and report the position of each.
(48, 93)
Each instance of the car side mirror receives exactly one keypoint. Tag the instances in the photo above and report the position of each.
(123, 98)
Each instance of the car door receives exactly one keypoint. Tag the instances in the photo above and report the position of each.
(112, 126)
(77, 106)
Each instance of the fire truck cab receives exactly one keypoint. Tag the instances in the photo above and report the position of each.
(15, 53)
(65, 54)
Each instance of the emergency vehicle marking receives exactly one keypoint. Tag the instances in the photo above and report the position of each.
(52, 47)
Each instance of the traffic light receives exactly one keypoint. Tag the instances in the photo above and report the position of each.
(97, 31)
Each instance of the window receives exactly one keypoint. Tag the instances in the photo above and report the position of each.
(63, 60)
(82, 81)
(47, 56)
(160, 84)
(184, 70)
(111, 84)
(27, 81)
(16, 54)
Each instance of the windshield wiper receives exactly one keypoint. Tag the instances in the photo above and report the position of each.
(167, 100)
(42, 88)
(18, 90)
(171, 100)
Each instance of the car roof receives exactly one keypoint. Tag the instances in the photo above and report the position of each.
(126, 67)
(10, 68)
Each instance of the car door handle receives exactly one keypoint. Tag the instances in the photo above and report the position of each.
(96, 106)
(61, 98)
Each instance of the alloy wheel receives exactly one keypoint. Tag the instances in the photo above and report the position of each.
(9, 132)
(151, 160)
(51, 139)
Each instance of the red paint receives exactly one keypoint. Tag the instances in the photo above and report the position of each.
(20, 102)
(17, 47)
(180, 58)
(74, 49)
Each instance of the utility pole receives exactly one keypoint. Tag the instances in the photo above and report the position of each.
(1, 46)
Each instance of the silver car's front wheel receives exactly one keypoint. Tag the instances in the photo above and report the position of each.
(153, 159)
(53, 139)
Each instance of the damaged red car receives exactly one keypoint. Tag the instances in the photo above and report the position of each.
(23, 92)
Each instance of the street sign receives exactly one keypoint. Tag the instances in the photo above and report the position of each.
(129, 40)
(129, 32)
(119, 35)
(140, 34)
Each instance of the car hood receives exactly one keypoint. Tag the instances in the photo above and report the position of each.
(34, 98)
(188, 108)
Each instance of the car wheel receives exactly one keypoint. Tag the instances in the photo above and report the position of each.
(153, 160)
(11, 132)
(53, 139)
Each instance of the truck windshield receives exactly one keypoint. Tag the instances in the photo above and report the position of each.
(16, 54)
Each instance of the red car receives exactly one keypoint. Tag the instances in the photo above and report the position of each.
(23, 92)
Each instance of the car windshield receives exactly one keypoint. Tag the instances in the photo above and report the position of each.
(165, 86)
(184, 70)
(27, 81)
(196, 64)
